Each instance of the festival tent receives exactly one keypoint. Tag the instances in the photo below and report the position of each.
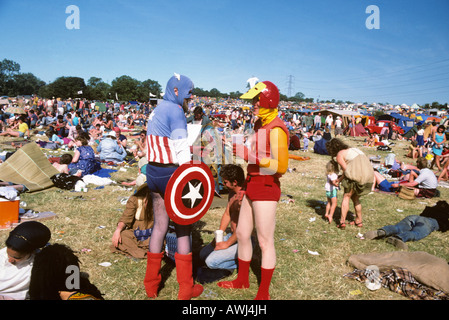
(100, 106)
(427, 118)
(433, 118)
(366, 120)
(345, 115)
(404, 122)
(411, 133)
(357, 131)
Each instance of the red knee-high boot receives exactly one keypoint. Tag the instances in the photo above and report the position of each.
(152, 275)
(242, 280)
(265, 280)
(187, 288)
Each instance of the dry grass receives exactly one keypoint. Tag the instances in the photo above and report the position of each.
(88, 223)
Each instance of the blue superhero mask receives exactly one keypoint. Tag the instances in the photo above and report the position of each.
(184, 85)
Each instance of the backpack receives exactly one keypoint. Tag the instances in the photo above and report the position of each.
(64, 181)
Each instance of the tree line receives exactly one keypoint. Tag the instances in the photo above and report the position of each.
(124, 88)
(14, 83)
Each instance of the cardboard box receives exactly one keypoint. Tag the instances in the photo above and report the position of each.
(9, 213)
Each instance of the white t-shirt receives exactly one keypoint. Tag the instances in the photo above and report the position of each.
(329, 186)
(14, 279)
(427, 179)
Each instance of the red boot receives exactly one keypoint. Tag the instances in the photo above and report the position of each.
(187, 289)
(242, 280)
(265, 280)
(152, 275)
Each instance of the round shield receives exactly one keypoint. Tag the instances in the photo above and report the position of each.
(189, 193)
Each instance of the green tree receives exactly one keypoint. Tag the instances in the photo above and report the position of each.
(8, 69)
(199, 92)
(126, 88)
(64, 87)
(97, 89)
(147, 87)
(215, 93)
(26, 84)
(235, 95)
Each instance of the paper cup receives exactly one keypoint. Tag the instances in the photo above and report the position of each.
(219, 236)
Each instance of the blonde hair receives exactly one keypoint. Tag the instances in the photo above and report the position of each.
(332, 167)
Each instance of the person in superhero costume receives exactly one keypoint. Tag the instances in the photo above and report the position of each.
(267, 160)
(168, 148)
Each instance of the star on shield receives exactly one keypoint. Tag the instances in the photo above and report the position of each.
(193, 194)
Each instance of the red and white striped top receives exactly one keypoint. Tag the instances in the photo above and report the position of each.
(161, 150)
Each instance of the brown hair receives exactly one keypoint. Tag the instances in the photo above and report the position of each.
(334, 146)
(421, 163)
(83, 140)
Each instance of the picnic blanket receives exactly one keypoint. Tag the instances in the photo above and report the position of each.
(28, 166)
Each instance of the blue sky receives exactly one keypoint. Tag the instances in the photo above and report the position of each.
(323, 45)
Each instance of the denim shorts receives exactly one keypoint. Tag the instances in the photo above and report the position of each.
(332, 194)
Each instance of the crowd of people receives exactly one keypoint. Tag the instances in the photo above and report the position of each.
(97, 137)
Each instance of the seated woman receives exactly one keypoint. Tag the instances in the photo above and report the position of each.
(22, 129)
(138, 215)
(110, 150)
(53, 137)
(52, 268)
(109, 123)
(414, 150)
(370, 141)
(444, 173)
(95, 132)
(59, 126)
(140, 149)
(16, 259)
(295, 143)
(84, 158)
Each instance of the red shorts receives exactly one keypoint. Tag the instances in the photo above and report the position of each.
(263, 188)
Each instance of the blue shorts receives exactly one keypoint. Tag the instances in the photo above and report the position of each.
(386, 186)
(332, 194)
(158, 176)
(21, 134)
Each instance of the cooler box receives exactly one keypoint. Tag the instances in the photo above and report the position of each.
(9, 213)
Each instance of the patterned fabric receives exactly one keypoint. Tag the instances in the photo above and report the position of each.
(82, 296)
(171, 241)
(87, 162)
(401, 281)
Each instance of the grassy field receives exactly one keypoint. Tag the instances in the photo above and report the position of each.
(86, 222)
